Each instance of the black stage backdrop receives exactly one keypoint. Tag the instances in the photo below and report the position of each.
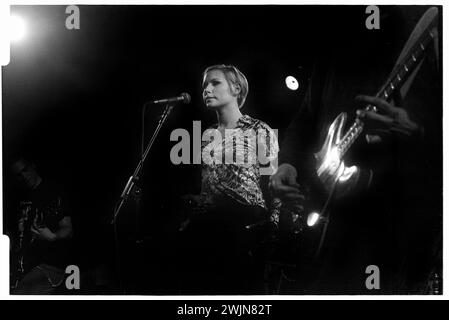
(72, 102)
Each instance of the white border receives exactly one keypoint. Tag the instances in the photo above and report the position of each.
(4, 243)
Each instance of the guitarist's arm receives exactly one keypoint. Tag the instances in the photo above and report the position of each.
(64, 232)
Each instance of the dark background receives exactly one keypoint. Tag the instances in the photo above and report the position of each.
(73, 98)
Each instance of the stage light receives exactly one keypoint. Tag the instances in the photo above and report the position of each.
(291, 83)
(17, 28)
(312, 218)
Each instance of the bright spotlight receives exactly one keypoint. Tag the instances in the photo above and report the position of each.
(312, 219)
(291, 83)
(17, 28)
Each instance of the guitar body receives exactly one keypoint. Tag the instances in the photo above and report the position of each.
(23, 257)
(331, 170)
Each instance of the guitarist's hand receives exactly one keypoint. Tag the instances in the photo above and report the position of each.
(43, 233)
(283, 183)
(391, 120)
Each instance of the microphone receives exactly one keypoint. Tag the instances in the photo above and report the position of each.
(184, 98)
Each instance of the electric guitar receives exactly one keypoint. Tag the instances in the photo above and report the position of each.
(330, 166)
(309, 228)
(29, 217)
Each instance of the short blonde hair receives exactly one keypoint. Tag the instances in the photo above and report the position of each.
(233, 76)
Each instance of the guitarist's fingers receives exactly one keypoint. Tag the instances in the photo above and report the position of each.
(402, 131)
(373, 138)
(383, 133)
(284, 189)
(291, 181)
(293, 196)
(280, 189)
(35, 221)
(277, 183)
(34, 230)
(374, 118)
(378, 102)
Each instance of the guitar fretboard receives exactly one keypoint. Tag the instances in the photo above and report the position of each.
(397, 78)
(402, 71)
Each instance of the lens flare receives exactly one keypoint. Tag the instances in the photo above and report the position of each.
(17, 28)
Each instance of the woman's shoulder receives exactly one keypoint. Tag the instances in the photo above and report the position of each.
(249, 122)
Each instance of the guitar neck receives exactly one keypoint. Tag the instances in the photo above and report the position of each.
(403, 70)
(399, 75)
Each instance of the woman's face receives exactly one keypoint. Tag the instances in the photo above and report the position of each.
(216, 90)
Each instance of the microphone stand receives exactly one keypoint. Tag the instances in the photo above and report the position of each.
(131, 183)
(136, 175)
